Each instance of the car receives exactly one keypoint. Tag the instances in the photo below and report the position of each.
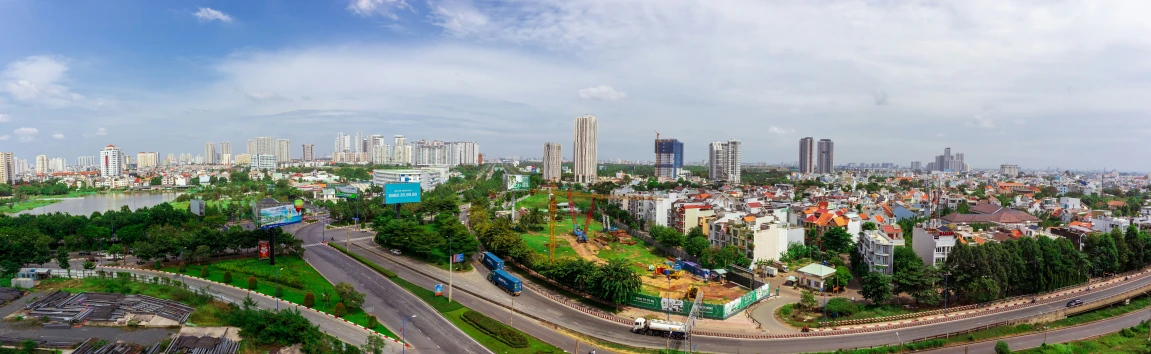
(85, 253)
(90, 259)
(1074, 303)
(396, 252)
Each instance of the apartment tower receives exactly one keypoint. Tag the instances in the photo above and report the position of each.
(806, 155)
(111, 161)
(309, 152)
(668, 158)
(7, 168)
(724, 161)
(283, 151)
(584, 149)
(826, 163)
(553, 159)
(209, 154)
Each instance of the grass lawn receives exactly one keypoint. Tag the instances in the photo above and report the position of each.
(31, 203)
(454, 311)
(794, 316)
(638, 252)
(210, 313)
(297, 278)
(1133, 340)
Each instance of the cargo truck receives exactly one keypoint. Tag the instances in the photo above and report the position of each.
(770, 271)
(674, 330)
(492, 262)
(506, 281)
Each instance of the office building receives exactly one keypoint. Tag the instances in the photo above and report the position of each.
(41, 164)
(1009, 170)
(807, 155)
(826, 161)
(7, 168)
(668, 158)
(553, 159)
(309, 152)
(283, 151)
(210, 153)
(724, 161)
(263, 162)
(585, 166)
(112, 161)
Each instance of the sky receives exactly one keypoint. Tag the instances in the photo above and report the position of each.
(1036, 83)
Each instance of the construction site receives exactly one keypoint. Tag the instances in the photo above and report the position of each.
(61, 309)
(578, 233)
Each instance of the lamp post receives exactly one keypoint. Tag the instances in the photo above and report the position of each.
(277, 289)
(403, 323)
(945, 295)
(1045, 327)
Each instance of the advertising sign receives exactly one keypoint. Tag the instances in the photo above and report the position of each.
(439, 289)
(399, 193)
(278, 216)
(196, 206)
(517, 182)
(265, 250)
(459, 258)
(299, 204)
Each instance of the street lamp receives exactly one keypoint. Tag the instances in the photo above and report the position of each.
(277, 293)
(945, 295)
(1045, 327)
(404, 346)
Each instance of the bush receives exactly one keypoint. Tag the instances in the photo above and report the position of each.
(372, 323)
(227, 277)
(183, 268)
(339, 311)
(204, 272)
(786, 310)
(309, 299)
(843, 307)
(1001, 347)
(1127, 333)
(252, 283)
(279, 291)
(158, 264)
(494, 328)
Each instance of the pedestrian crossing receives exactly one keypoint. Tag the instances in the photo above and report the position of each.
(338, 239)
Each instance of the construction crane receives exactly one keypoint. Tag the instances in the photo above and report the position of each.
(571, 195)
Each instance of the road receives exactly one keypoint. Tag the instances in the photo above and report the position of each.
(390, 302)
(1063, 335)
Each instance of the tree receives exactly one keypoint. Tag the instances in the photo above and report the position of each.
(326, 298)
(158, 180)
(696, 245)
(340, 310)
(252, 283)
(62, 259)
(837, 239)
(841, 278)
(617, 282)
(807, 300)
(372, 323)
(349, 296)
(1001, 347)
(375, 344)
(876, 287)
(309, 300)
(88, 265)
(908, 271)
(227, 277)
(869, 226)
(204, 272)
(841, 306)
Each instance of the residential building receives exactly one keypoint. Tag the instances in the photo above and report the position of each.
(428, 177)
(916, 166)
(401, 151)
(57, 164)
(357, 145)
(252, 148)
(932, 246)
(463, 153)
(585, 165)
(146, 159)
(807, 155)
(7, 168)
(263, 162)
(283, 151)
(42, 164)
(111, 162)
(1009, 170)
(690, 215)
(265, 145)
(725, 161)
(668, 158)
(826, 161)
(210, 153)
(949, 163)
(381, 151)
(225, 148)
(878, 250)
(553, 159)
(760, 237)
(243, 159)
(309, 152)
(432, 152)
(21, 166)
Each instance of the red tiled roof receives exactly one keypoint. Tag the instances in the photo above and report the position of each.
(754, 204)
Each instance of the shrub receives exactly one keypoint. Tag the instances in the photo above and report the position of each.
(204, 272)
(158, 264)
(227, 277)
(279, 291)
(183, 268)
(309, 299)
(372, 323)
(339, 311)
(1001, 347)
(498, 330)
(843, 307)
(1127, 333)
(252, 283)
(786, 310)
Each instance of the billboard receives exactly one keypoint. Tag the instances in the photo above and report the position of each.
(399, 193)
(265, 250)
(439, 289)
(278, 216)
(517, 182)
(196, 206)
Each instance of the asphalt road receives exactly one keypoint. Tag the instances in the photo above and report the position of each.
(429, 332)
(1055, 336)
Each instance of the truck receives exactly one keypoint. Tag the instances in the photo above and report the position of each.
(669, 329)
(506, 281)
(770, 271)
(492, 262)
(580, 234)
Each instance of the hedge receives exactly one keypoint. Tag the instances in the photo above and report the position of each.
(286, 278)
(370, 264)
(497, 330)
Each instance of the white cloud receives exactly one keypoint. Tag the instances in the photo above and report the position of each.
(98, 132)
(37, 79)
(264, 96)
(26, 134)
(208, 14)
(4, 118)
(780, 131)
(378, 7)
(5, 137)
(980, 121)
(601, 92)
(58, 136)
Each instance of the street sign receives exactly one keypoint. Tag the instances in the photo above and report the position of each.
(439, 289)
(459, 258)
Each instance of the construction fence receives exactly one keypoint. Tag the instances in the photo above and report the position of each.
(710, 311)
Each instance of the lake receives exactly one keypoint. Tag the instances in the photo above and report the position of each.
(88, 204)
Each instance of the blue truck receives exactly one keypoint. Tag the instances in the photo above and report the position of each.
(492, 262)
(506, 281)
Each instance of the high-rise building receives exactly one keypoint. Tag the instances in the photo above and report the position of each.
(225, 153)
(916, 165)
(21, 166)
(724, 161)
(430, 153)
(57, 164)
(716, 161)
(210, 153)
(379, 149)
(553, 159)
(283, 151)
(265, 145)
(243, 159)
(263, 162)
(949, 163)
(41, 164)
(338, 147)
(309, 152)
(463, 153)
(111, 161)
(1009, 170)
(401, 151)
(146, 159)
(668, 158)
(358, 144)
(7, 168)
(807, 155)
(826, 161)
(585, 165)
(251, 146)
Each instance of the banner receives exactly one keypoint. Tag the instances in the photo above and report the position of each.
(706, 310)
(459, 258)
(399, 193)
(439, 289)
(196, 206)
(265, 250)
(278, 216)
(517, 182)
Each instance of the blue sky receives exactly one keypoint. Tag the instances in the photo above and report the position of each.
(1035, 83)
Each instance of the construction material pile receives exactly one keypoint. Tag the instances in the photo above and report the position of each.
(65, 308)
(90, 347)
(41, 342)
(203, 345)
(622, 237)
(9, 294)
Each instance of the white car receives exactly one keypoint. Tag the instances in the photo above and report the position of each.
(396, 252)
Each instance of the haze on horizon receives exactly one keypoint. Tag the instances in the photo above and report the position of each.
(1034, 83)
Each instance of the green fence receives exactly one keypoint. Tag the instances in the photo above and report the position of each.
(681, 307)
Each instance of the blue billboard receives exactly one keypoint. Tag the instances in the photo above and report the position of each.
(399, 193)
(278, 216)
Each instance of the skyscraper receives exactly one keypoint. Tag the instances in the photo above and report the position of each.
(111, 161)
(668, 158)
(309, 152)
(401, 151)
(209, 153)
(725, 161)
(252, 146)
(283, 151)
(358, 144)
(41, 164)
(949, 163)
(806, 155)
(553, 159)
(225, 153)
(826, 162)
(265, 145)
(7, 168)
(584, 149)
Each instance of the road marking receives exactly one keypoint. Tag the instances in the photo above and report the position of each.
(321, 243)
